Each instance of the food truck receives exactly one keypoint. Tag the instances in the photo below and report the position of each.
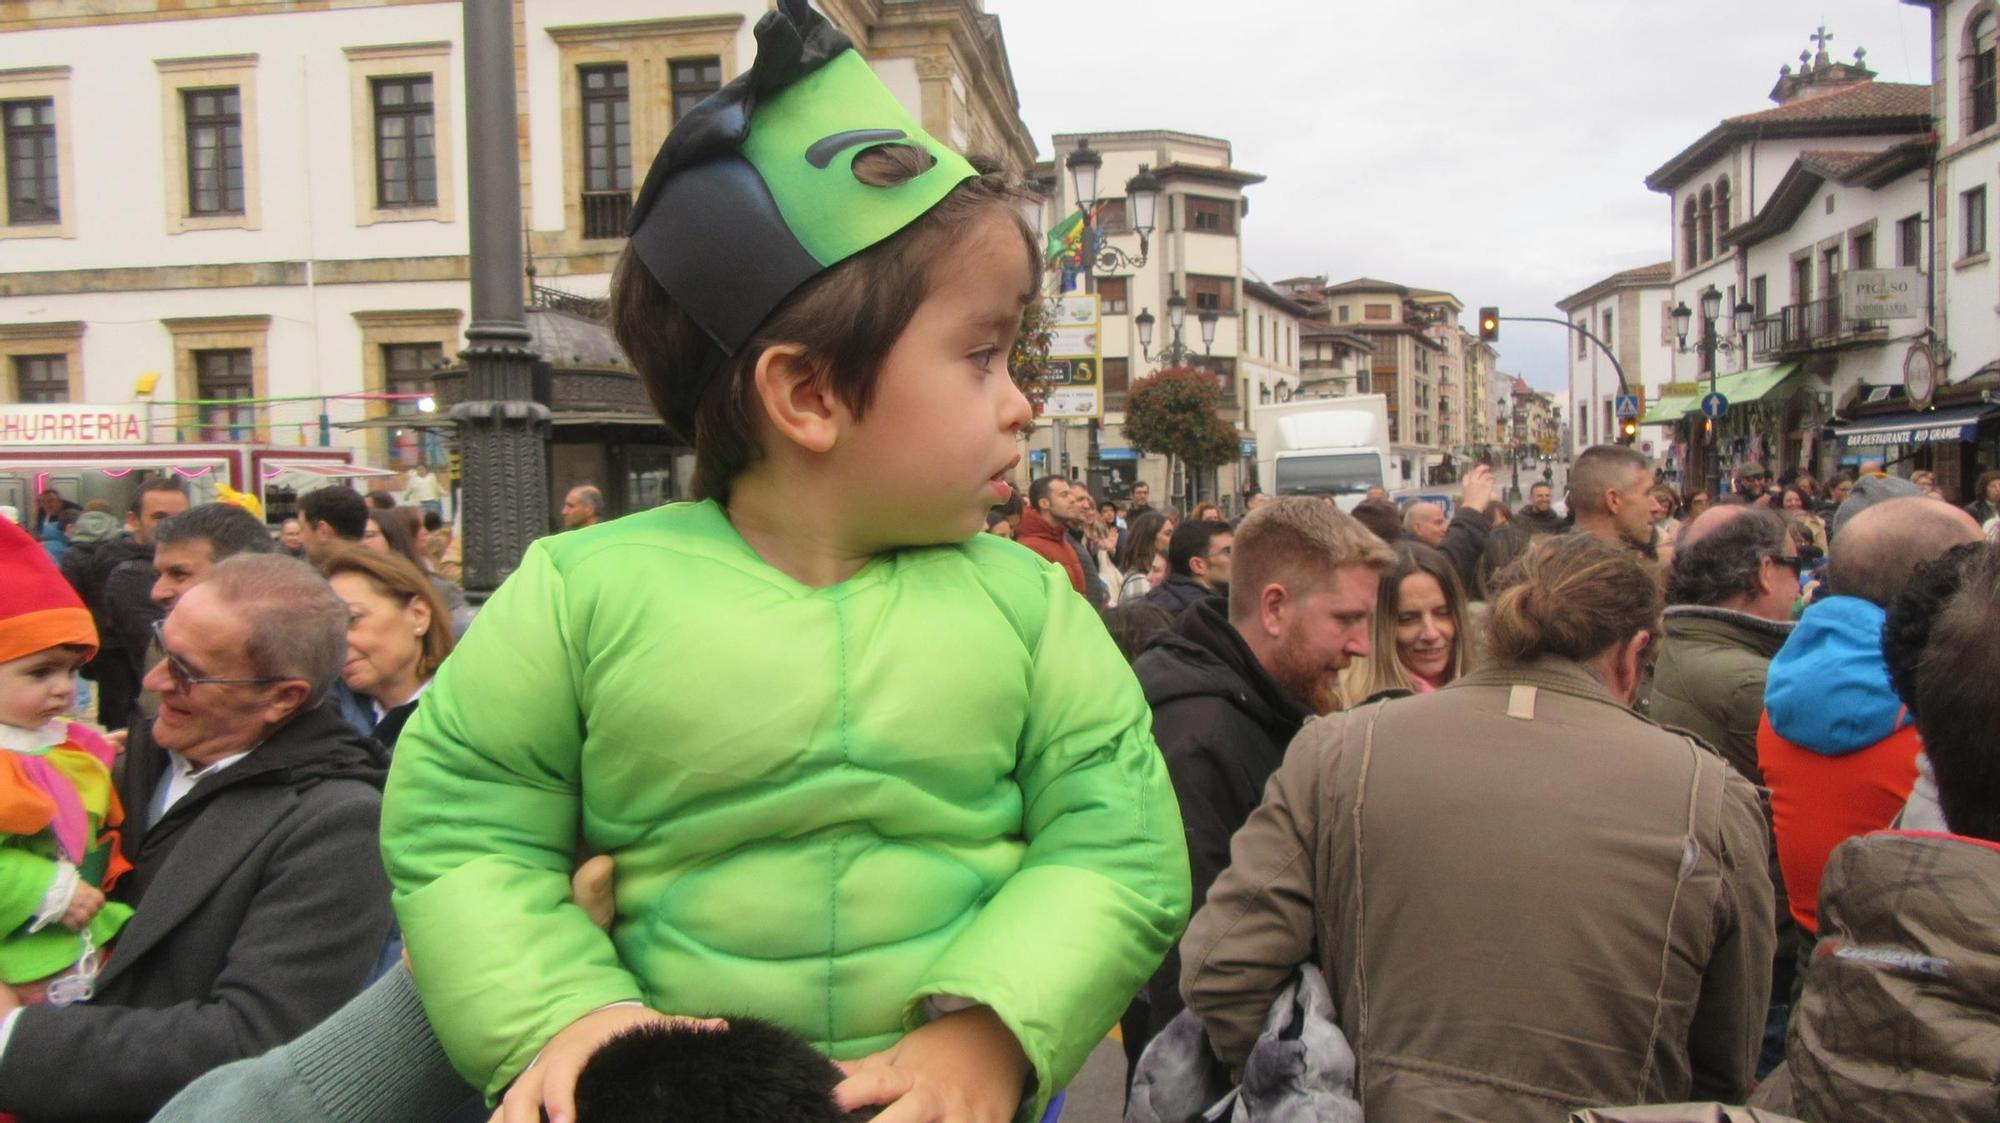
(105, 451)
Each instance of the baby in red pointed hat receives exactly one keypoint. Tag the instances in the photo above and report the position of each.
(58, 850)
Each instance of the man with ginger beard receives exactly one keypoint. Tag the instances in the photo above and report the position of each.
(1232, 683)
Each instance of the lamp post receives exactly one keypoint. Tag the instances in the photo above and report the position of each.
(1175, 353)
(502, 431)
(1142, 204)
(1710, 343)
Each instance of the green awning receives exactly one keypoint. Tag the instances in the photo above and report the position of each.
(1740, 389)
(1667, 410)
(1751, 385)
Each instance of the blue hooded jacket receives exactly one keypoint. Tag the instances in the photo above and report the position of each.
(1829, 685)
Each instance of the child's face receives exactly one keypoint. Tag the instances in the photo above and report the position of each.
(36, 689)
(926, 462)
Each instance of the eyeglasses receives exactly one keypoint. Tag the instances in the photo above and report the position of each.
(1795, 564)
(184, 677)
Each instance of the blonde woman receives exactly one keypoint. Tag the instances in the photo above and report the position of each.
(1419, 639)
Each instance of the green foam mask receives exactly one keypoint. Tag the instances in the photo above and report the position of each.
(753, 194)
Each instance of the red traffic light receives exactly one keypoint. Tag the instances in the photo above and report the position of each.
(1489, 324)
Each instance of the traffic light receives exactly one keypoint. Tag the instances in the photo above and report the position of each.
(1489, 324)
(1628, 431)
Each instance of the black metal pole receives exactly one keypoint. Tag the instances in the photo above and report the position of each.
(502, 430)
(1585, 332)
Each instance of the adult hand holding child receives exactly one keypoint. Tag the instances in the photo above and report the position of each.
(965, 1067)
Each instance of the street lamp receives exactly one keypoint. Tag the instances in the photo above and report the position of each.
(1142, 206)
(1175, 353)
(1741, 323)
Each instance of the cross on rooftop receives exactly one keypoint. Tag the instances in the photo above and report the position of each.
(1821, 37)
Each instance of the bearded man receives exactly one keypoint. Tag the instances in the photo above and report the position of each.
(1233, 681)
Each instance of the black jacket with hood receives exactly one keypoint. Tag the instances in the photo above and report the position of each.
(1180, 591)
(1222, 723)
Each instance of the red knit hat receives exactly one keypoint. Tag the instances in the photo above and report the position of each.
(38, 609)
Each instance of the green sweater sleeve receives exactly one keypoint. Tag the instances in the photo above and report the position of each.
(25, 878)
(479, 829)
(1103, 890)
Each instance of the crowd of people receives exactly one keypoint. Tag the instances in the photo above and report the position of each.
(1471, 815)
(1758, 663)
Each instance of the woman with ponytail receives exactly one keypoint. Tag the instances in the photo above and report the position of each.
(1525, 898)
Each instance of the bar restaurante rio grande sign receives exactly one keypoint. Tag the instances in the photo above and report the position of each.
(71, 425)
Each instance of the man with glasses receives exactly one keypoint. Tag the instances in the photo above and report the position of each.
(262, 905)
(1730, 594)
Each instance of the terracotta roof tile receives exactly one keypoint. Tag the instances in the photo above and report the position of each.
(1367, 284)
(1867, 109)
(1836, 164)
(1869, 99)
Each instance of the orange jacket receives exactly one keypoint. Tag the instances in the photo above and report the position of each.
(1820, 801)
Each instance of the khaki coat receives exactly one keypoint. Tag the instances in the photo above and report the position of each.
(1526, 899)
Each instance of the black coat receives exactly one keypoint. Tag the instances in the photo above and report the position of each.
(1222, 723)
(89, 565)
(1464, 545)
(1178, 592)
(1540, 522)
(262, 905)
(130, 611)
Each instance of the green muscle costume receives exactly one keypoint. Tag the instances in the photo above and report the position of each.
(936, 779)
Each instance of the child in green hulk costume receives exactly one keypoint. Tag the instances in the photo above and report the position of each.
(863, 771)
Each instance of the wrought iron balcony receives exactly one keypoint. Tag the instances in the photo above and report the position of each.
(605, 212)
(1814, 325)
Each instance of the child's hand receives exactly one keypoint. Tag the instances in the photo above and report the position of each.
(550, 1082)
(84, 902)
(962, 1068)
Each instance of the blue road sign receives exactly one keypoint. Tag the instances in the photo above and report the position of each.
(1713, 406)
(1627, 405)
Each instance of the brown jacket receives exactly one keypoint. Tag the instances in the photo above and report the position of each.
(1901, 1014)
(1526, 899)
(1037, 533)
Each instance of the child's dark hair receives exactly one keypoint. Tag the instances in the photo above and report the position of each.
(847, 318)
(750, 1072)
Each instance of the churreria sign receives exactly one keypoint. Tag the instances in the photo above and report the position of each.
(70, 425)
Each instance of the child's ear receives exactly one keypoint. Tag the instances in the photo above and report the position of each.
(797, 401)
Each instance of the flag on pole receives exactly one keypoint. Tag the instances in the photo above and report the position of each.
(1066, 240)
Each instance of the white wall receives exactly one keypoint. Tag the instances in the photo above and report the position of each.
(1853, 207)
(117, 138)
(546, 77)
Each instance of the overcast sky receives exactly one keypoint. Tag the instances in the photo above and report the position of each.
(1493, 148)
